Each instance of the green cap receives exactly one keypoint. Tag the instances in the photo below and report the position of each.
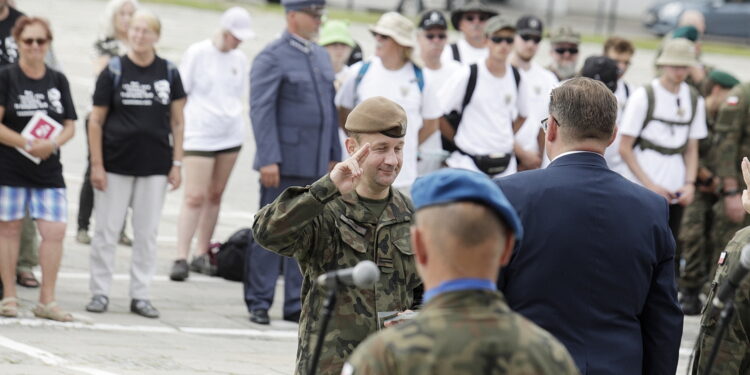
(688, 32)
(335, 31)
(498, 23)
(723, 79)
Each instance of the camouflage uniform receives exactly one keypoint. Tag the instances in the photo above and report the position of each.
(463, 332)
(734, 354)
(732, 142)
(326, 231)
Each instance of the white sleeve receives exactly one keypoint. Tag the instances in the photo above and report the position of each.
(430, 106)
(698, 129)
(452, 92)
(522, 101)
(345, 95)
(187, 64)
(635, 113)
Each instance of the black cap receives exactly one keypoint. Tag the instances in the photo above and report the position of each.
(601, 68)
(529, 25)
(432, 19)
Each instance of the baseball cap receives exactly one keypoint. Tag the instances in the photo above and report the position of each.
(603, 69)
(432, 19)
(529, 25)
(236, 20)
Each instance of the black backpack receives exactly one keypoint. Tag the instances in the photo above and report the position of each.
(230, 260)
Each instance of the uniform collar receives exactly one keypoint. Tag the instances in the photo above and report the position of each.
(399, 209)
(459, 285)
(301, 44)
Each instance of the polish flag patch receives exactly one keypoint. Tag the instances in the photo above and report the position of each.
(722, 258)
(733, 100)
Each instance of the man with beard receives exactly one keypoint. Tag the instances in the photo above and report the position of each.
(529, 31)
(564, 42)
(470, 20)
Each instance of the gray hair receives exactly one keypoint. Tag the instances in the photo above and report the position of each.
(108, 21)
(584, 108)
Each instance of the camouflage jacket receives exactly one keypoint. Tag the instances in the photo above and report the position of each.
(732, 133)
(705, 145)
(463, 332)
(326, 231)
(734, 354)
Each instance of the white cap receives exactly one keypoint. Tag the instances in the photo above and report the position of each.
(236, 20)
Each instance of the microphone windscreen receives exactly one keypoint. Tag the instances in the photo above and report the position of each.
(366, 274)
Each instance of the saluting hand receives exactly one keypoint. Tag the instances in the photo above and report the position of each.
(347, 174)
(746, 176)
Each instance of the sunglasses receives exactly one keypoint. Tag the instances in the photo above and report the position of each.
(39, 41)
(500, 39)
(571, 50)
(535, 38)
(473, 17)
(440, 36)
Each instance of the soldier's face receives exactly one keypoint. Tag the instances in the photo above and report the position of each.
(384, 161)
(675, 74)
(525, 49)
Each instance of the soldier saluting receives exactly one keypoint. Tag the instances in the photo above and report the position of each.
(349, 215)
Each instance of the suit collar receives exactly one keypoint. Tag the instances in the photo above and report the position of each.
(580, 158)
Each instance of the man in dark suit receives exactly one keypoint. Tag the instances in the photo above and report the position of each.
(597, 266)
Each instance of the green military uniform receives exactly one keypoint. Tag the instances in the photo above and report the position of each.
(734, 353)
(731, 143)
(466, 332)
(326, 231)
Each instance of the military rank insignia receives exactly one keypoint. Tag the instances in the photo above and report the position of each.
(722, 258)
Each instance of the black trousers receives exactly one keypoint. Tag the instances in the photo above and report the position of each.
(675, 219)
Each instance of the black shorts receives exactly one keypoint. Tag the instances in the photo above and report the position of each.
(211, 154)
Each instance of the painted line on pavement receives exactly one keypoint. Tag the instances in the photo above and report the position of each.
(48, 358)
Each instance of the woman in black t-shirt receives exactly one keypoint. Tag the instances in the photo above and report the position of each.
(135, 139)
(30, 170)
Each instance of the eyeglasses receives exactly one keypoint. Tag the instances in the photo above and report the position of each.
(500, 39)
(440, 36)
(478, 17)
(535, 38)
(39, 41)
(571, 50)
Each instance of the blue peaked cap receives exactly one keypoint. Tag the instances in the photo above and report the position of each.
(302, 4)
(459, 185)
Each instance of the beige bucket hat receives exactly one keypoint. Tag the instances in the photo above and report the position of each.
(678, 52)
(396, 26)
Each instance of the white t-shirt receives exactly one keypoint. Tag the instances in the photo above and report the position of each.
(540, 82)
(401, 87)
(667, 171)
(487, 122)
(341, 77)
(468, 54)
(431, 153)
(216, 83)
(612, 154)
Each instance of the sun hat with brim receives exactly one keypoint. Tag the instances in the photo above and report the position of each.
(497, 23)
(335, 31)
(677, 52)
(397, 27)
(565, 34)
(471, 6)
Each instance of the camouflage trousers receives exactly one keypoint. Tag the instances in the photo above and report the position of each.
(695, 237)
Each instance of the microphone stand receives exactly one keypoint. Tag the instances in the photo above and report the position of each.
(726, 316)
(330, 302)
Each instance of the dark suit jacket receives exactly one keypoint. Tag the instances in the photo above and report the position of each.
(596, 266)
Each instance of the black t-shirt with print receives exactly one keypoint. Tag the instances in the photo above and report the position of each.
(8, 47)
(21, 97)
(136, 140)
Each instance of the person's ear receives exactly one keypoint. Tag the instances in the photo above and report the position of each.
(614, 135)
(551, 129)
(418, 246)
(510, 242)
(351, 145)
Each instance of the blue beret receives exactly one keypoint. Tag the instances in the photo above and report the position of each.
(302, 4)
(458, 185)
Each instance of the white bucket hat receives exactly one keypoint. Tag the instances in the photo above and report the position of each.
(678, 52)
(396, 26)
(236, 20)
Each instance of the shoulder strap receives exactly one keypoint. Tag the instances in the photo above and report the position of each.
(420, 77)
(456, 54)
(470, 86)
(358, 79)
(693, 104)
(649, 111)
(114, 66)
(517, 76)
(627, 90)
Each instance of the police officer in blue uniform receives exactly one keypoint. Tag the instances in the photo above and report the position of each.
(296, 135)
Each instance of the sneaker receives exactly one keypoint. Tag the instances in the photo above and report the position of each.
(98, 304)
(144, 308)
(179, 270)
(83, 237)
(202, 264)
(125, 240)
(260, 316)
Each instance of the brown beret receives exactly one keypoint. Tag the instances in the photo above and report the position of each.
(377, 115)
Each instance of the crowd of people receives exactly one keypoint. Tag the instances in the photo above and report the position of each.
(342, 144)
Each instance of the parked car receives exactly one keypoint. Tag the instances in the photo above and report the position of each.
(726, 18)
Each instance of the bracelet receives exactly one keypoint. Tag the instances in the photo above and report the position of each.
(729, 193)
(177, 163)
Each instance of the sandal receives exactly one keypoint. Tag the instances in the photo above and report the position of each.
(27, 279)
(52, 312)
(6, 309)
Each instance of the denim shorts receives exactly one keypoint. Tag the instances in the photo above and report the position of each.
(50, 204)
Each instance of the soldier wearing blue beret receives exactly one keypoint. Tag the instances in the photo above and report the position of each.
(294, 121)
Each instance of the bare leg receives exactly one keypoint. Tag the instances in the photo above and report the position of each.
(10, 239)
(224, 163)
(50, 255)
(198, 170)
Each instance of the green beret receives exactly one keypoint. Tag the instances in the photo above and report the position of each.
(377, 115)
(723, 79)
(688, 32)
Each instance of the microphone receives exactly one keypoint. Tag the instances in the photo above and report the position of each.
(364, 275)
(730, 285)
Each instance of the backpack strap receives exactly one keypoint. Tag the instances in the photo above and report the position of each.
(470, 86)
(517, 76)
(420, 77)
(456, 54)
(114, 66)
(358, 79)
(627, 90)
(646, 144)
